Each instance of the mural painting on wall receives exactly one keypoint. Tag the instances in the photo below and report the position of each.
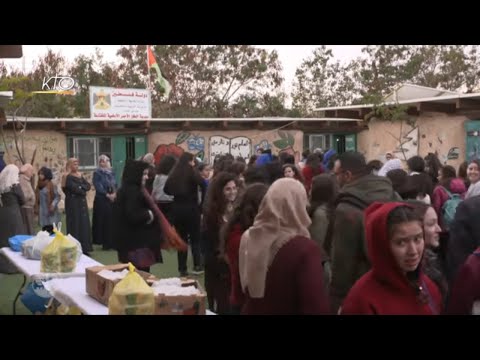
(453, 153)
(194, 143)
(236, 146)
(262, 144)
(285, 144)
(408, 145)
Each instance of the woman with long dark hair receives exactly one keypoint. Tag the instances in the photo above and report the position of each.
(291, 171)
(183, 184)
(462, 173)
(432, 262)
(137, 234)
(241, 219)
(448, 185)
(222, 192)
(432, 167)
(322, 208)
(312, 167)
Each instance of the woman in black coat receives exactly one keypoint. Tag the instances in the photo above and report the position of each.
(184, 183)
(136, 232)
(76, 208)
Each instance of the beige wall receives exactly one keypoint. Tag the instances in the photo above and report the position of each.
(209, 142)
(51, 152)
(434, 132)
(52, 146)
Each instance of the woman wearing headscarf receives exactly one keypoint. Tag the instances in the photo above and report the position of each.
(105, 188)
(47, 200)
(11, 223)
(392, 164)
(277, 258)
(395, 285)
(26, 173)
(76, 208)
(149, 158)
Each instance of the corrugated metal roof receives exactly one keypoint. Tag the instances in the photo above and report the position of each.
(411, 91)
(447, 99)
(266, 119)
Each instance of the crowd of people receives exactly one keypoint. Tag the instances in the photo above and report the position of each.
(331, 234)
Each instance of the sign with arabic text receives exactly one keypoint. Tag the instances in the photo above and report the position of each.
(108, 103)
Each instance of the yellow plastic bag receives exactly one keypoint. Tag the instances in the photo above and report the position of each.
(60, 256)
(132, 296)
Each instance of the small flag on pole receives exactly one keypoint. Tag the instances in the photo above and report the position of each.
(160, 80)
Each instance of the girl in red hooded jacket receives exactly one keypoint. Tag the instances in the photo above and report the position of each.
(395, 285)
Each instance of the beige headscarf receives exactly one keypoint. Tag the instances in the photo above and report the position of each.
(27, 170)
(282, 216)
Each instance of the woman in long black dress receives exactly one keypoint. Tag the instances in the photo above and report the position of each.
(105, 187)
(76, 208)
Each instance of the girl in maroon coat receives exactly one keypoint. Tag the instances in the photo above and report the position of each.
(395, 285)
(242, 218)
(280, 266)
(465, 293)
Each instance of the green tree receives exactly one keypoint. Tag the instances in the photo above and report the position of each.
(205, 79)
(90, 71)
(319, 82)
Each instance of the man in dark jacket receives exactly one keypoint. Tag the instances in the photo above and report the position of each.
(358, 189)
(464, 235)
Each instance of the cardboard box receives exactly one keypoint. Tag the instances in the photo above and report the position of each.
(182, 305)
(101, 289)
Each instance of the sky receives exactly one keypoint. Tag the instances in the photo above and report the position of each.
(291, 56)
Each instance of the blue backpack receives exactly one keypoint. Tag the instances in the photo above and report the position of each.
(450, 207)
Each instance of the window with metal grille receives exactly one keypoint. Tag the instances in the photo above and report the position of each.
(88, 149)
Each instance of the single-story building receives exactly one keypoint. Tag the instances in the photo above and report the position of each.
(444, 123)
(55, 140)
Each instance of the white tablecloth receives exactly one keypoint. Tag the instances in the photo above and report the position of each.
(31, 268)
(72, 292)
(68, 288)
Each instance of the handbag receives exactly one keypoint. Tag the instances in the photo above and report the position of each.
(141, 258)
